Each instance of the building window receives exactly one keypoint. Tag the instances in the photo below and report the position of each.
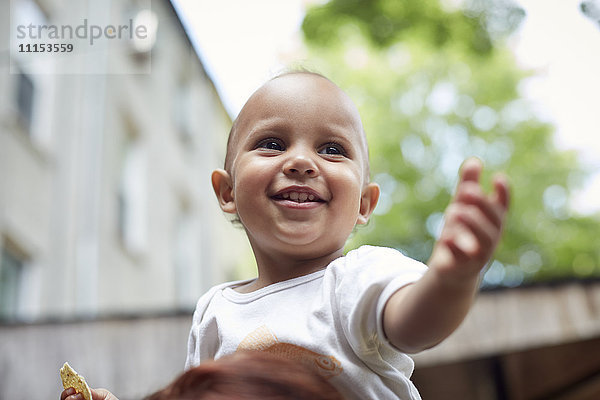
(132, 198)
(182, 111)
(25, 95)
(11, 271)
(186, 255)
(26, 12)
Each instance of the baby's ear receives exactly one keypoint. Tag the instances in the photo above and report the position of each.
(223, 187)
(368, 201)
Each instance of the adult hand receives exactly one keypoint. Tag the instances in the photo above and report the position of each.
(97, 394)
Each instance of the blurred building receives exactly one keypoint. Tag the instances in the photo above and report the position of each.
(106, 206)
(105, 197)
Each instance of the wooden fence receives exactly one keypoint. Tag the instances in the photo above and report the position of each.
(537, 343)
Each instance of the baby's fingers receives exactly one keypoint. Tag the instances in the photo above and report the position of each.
(472, 231)
(470, 194)
(463, 244)
(501, 194)
(470, 170)
(469, 189)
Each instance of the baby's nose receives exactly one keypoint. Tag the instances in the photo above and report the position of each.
(300, 164)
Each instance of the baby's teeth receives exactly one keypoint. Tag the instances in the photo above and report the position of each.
(298, 196)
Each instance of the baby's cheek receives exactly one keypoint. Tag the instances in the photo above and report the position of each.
(349, 190)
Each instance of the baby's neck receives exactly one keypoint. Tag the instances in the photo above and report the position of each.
(278, 268)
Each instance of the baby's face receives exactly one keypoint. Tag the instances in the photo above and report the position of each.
(298, 166)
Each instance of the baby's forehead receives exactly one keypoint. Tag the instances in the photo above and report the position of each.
(292, 96)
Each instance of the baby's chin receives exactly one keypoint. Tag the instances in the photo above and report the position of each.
(298, 234)
(308, 243)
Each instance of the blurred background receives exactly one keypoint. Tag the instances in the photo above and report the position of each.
(109, 231)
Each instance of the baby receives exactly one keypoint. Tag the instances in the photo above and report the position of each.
(296, 177)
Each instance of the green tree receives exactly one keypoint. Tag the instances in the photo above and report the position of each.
(436, 85)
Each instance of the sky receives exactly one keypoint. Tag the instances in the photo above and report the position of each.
(243, 43)
(563, 46)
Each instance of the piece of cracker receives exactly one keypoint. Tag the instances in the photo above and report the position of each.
(70, 378)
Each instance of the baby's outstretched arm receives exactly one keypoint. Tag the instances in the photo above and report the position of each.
(423, 314)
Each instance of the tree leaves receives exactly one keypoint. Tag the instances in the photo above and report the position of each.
(435, 84)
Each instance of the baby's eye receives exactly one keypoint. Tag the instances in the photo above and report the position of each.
(271, 144)
(332, 149)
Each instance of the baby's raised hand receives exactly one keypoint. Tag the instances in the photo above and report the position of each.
(473, 226)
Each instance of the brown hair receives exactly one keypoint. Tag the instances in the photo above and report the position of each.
(248, 375)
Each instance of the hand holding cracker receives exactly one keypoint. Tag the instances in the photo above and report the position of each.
(71, 379)
(77, 389)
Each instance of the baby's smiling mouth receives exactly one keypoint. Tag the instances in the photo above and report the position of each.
(298, 195)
